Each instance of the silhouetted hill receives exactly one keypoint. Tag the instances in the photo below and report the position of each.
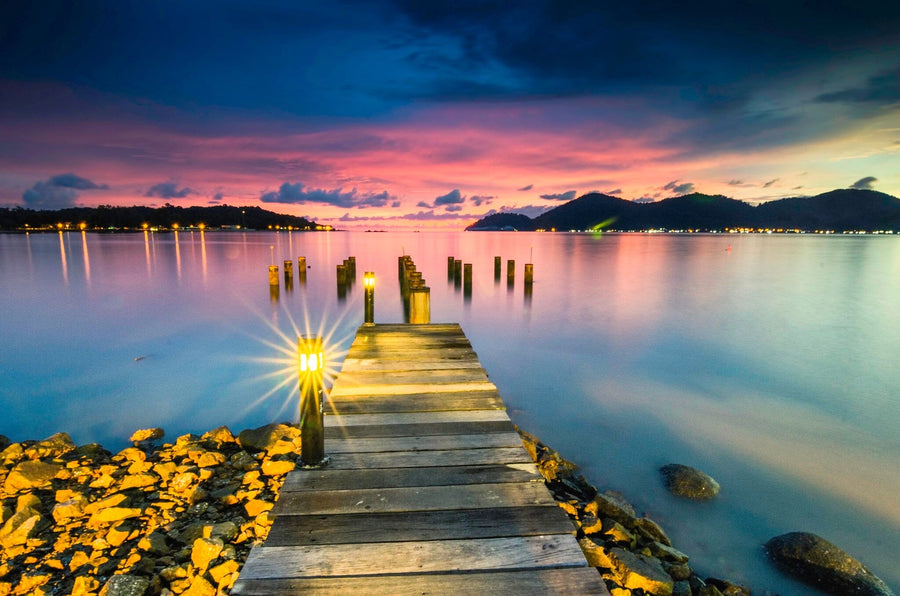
(838, 210)
(505, 221)
(107, 217)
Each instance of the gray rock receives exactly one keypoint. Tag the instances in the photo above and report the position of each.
(52, 446)
(264, 437)
(820, 563)
(125, 585)
(688, 482)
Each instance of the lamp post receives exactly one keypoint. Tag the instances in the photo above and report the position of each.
(369, 285)
(312, 422)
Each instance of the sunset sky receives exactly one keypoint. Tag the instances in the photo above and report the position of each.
(430, 114)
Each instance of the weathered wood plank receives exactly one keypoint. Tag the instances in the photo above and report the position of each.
(424, 443)
(386, 387)
(411, 377)
(526, 552)
(430, 329)
(355, 365)
(415, 498)
(330, 479)
(421, 402)
(500, 522)
(400, 354)
(364, 419)
(569, 580)
(361, 431)
(413, 459)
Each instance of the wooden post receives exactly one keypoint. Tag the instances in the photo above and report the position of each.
(529, 273)
(420, 305)
(510, 271)
(352, 261)
(497, 268)
(467, 281)
(301, 269)
(312, 421)
(457, 272)
(369, 298)
(450, 268)
(341, 282)
(273, 275)
(288, 271)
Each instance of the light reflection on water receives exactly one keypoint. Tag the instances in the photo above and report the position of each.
(769, 362)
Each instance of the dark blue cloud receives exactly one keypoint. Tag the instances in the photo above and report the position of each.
(297, 193)
(169, 190)
(677, 188)
(867, 183)
(58, 192)
(526, 188)
(563, 196)
(451, 198)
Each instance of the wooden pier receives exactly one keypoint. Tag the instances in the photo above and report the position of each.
(428, 488)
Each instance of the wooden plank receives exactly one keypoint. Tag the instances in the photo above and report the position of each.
(429, 329)
(414, 377)
(380, 364)
(350, 389)
(300, 530)
(329, 479)
(415, 418)
(424, 443)
(413, 459)
(361, 431)
(568, 580)
(422, 402)
(526, 552)
(415, 498)
(400, 354)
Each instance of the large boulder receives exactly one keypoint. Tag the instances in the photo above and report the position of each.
(30, 474)
(147, 434)
(820, 563)
(688, 482)
(267, 437)
(52, 446)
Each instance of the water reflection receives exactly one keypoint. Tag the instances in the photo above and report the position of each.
(62, 253)
(87, 259)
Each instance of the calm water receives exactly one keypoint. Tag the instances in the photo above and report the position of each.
(768, 361)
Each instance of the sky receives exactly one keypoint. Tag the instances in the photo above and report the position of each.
(415, 114)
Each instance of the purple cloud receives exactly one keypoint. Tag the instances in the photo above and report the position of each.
(169, 190)
(297, 194)
(563, 196)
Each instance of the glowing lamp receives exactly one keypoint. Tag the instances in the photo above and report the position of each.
(311, 356)
(369, 297)
(202, 226)
(82, 225)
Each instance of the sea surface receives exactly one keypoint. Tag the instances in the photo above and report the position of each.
(770, 362)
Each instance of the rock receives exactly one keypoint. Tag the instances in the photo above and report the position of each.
(667, 553)
(138, 481)
(204, 551)
(226, 531)
(125, 585)
(210, 459)
(242, 461)
(265, 437)
(727, 588)
(277, 467)
(648, 528)
(110, 501)
(820, 563)
(614, 506)
(257, 506)
(30, 474)
(68, 510)
(20, 527)
(147, 434)
(616, 532)
(154, 543)
(596, 554)
(4, 441)
(639, 571)
(688, 482)
(199, 586)
(52, 446)
(113, 514)
(681, 588)
(28, 501)
(218, 436)
(85, 586)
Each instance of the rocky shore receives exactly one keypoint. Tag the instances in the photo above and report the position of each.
(180, 518)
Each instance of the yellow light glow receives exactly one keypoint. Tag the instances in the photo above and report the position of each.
(82, 225)
(174, 226)
(201, 226)
(145, 226)
(369, 279)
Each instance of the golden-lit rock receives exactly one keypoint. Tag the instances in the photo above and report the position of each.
(165, 470)
(85, 585)
(616, 532)
(225, 574)
(257, 506)
(649, 529)
(264, 437)
(28, 501)
(243, 461)
(219, 436)
(204, 551)
(596, 554)
(53, 446)
(79, 559)
(199, 586)
(30, 582)
(147, 434)
(113, 514)
(183, 482)
(131, 454)
(66, 510)
(612, 505)
(110, 501)
(138, 481)
(30, 474)
(210, 459)
(272, 467)
(20, 527)
(118, 534)
(641, 572)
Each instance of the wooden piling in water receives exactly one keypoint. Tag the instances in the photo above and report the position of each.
(510, 271)
(301, 269)
(420, 305)
(273, 275)
(529, 273)
(498, 264)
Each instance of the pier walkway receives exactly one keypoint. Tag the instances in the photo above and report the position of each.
(428, 489)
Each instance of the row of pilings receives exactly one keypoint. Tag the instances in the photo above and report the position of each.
(415, 294)
(460, 274)
(274, 283)
(346, 277)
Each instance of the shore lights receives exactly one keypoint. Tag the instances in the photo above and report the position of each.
(311, 355)
(369, 285)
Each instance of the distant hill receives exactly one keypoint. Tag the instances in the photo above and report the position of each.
(107, 217)
(838, 210)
